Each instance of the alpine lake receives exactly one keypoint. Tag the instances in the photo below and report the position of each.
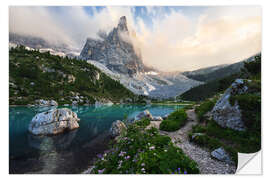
(71, 152)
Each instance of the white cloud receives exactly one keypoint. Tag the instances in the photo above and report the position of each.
(220, 35)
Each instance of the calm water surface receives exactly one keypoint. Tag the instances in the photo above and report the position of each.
(73, 151)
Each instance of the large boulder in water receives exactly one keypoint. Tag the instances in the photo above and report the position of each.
(117, 128)
(53, 122)
(227, 115)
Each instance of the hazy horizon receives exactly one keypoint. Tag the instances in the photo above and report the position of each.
(170, 38)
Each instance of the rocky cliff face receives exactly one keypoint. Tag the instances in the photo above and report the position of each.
(115, 51)
(227, 115)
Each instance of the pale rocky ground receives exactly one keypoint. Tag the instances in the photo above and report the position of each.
(206, 164)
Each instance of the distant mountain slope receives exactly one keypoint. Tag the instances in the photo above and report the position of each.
(216, 72)
(209, 89)
(217, 85)
(155, 84)
(42, 44)
(34, 75)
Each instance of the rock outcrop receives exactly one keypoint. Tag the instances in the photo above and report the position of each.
(115, 50)
(117, 128)
(42, 102)
(227, 115)
(53, 122)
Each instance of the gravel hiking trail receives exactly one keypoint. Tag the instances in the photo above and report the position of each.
(206, 164)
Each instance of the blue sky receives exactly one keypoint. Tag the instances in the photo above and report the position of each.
(193, 12)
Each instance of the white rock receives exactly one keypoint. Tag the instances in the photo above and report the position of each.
(71, 78)
(54, 121)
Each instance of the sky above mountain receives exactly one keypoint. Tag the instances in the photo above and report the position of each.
(170, 38)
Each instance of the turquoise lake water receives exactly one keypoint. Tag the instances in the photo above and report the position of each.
(73, 151)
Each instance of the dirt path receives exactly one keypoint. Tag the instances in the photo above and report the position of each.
(206, 164)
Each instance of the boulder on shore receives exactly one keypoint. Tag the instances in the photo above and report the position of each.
(144, 114)
(117, 128)
(157, 118)
(227, 115)
(53, 122)
(221, 155)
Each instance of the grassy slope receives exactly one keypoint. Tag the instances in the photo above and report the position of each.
(233, 141)
(34, 75)
(209, 89)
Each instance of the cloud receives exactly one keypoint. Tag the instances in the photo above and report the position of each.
(174, 41)
(219, 36)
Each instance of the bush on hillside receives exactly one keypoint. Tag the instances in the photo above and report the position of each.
(174, 121)
(250, 105)
(204, 107)
(45, 76)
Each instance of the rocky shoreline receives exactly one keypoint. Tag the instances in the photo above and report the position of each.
(207, 162)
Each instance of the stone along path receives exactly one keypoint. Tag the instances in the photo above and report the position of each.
(206, 164)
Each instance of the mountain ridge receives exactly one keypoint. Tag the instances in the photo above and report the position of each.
(217, 72)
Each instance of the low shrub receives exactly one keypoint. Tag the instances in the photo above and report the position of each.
(204, 108)
(143, 151)
(143, 122)
(241, 141)
(174, 121)
(206, 141)
(186, 107)
(250, 105)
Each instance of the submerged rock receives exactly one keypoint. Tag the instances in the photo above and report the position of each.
(49, 143)
(227, 115)
(144, 114)
(117, 128)
(53, 122)
(221, 154)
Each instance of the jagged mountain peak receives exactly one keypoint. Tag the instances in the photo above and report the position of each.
(115, 51)
(122, 25)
